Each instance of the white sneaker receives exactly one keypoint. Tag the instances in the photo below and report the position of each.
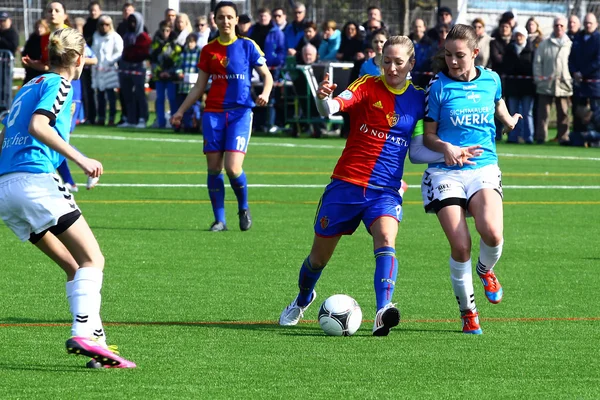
(292, 313)
(71, 188)
(386, 318)
(141, 124)
(125, 125)
(91, 182)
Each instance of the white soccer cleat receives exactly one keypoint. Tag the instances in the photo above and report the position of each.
(293, 313)
(91, 182)
(386, 318)
(71, 188)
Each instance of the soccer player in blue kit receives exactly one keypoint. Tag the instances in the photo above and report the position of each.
(461, 103)
(37, 207)
(227, 119)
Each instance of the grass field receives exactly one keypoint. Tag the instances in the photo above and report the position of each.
(196, 310)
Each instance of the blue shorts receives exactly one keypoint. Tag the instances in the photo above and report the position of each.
(344, 205)
(227, 130)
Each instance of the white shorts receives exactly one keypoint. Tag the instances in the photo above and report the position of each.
(441, 188)
(32, 203)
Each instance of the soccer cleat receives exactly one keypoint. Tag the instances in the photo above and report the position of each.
(71, 188)
(493, 289)
(292, 313)
(90, 348)
(218, 226)
(386, 318)
(93, 364)
(91, 182)
(245, 219)
(470, 322)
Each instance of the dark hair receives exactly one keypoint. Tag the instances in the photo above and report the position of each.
(278, 9)
(164, 24)
(310, 24)
(381, 31)
(373, 8)
(222, 4)
(68, 20)
(263, 10)
(244, 19)
(92, 4)
(127, 5)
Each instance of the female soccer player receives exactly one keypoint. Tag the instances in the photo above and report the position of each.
(37, 207)
(384, 111)
(227, 119)
(462, 100)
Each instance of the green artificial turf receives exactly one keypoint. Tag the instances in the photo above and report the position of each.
(197, 310)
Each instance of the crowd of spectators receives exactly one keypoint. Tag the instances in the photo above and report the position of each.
(538, 68)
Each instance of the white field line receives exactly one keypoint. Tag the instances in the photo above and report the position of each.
(302, 145)
(264, 185)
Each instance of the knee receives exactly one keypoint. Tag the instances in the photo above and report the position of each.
(492, 236)
(233, 171)
(95, 261)
(384, 240)
(318, 261)
(461, 251)
(214, 171)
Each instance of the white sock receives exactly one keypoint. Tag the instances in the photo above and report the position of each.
(69, 290)
(462, 284)
(85, 303)
(488, 257)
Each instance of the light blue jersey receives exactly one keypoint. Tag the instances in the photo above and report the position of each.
(464, 112)
(49, 95)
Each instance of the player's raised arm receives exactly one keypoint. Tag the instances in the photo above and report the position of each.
(325, 104)
(502, 113)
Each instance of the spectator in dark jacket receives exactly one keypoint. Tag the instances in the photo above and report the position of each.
(497, 50)
(271, 41)
(295, 30)
(352, 47)
(424, 52)
(91, 24)
(132, 76)
(127, 10)
(9, 38)
(33, 48)
(574, 27)
(312, 36)
(519, 88)
(444, 17)
(584, 65)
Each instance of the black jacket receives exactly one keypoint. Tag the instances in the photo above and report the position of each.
(518, 65)
(33, 49)
(9, 40)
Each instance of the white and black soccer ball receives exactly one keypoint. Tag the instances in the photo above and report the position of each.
(340, 315)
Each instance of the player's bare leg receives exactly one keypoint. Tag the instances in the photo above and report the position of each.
(486, 208)
(454, 223)
(384, 231)
(86, 299)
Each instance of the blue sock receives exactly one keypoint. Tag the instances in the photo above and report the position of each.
(65, 173)
(386, 270)
(239, 185)
(216, 191)
(307, 280)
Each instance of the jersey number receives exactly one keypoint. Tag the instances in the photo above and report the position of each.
(240, 143)
(15, 110)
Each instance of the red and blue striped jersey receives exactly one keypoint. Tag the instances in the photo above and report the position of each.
(230, 67)
(382, 122)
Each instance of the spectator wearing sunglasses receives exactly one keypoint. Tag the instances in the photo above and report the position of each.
(202, 31)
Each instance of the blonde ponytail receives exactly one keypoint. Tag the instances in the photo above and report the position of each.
(64, 47)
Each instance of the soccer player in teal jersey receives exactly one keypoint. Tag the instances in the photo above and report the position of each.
(462, 101)
(37, 207)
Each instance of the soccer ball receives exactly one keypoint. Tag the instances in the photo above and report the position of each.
(340, 315)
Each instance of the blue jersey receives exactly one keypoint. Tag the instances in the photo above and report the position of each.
(49, 95)
(369, 68)
(464, 112)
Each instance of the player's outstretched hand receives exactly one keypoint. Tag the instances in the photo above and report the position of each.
(470, 152)
(326, 88)
(176, 119)
(92, 168)
(514, 119)
(262, 100)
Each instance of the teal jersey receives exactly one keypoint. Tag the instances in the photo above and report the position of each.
(464, 112)
(49, 95)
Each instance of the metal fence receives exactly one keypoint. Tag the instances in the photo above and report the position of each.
(7, 64)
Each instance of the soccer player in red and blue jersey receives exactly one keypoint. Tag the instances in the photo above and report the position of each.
(227, 119)
(384, 111)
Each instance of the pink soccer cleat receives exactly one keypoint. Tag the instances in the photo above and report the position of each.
(90, 348)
